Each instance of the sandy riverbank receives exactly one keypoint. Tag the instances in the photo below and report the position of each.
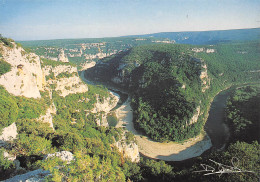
(171, 151)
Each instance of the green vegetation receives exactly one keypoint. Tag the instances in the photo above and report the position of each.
(242, 116)
(7, 42)
(4, 67)
(75, 131)
(164, 83)
(154, 75)
(48, 62)
(66, 75)
(112, 119)
(13, 108)
(242, 113)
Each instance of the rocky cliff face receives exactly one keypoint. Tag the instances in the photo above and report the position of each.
(26, 77)
(128, 149)
(195, 117)
(62, 57)
(102, 108)
(65, 79)
(205, 80)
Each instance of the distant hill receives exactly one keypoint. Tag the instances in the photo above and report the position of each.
(208, 37)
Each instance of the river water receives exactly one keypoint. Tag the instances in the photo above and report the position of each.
(215, 126)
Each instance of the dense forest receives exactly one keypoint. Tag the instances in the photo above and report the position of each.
(166, 84)
(242, 113)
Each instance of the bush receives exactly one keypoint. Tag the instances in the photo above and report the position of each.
(6, 41)
(4, 67)
(8, 111)
(32, 145)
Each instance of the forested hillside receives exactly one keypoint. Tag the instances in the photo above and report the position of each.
(172, 85)
(242, 113)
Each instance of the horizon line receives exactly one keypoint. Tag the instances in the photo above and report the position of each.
(124, 36)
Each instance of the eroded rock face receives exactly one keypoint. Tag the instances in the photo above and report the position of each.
(70, 85)
(62, 57)
(8, 134)
(66, 85)
(26, 77)
(59, 69)
(205, 80)
(129, 150)
(195, 117)
(103, 108)
(107, 104)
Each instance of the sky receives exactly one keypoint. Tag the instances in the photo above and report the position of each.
(59, 19)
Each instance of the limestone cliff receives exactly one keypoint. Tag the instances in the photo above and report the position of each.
(26, 77)
(129, 149)
(205, 80)
(195, 117)
(103, 106)
(62, 57)
(65, 79)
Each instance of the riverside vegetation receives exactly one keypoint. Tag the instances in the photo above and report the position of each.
(146, 72)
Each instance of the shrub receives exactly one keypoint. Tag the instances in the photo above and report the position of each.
(4, 67)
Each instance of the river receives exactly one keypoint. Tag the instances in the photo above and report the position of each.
(217, 132)
(215, 126)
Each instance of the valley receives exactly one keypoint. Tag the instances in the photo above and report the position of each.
(131, 104)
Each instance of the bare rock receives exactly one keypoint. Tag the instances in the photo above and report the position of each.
(26, 77)
(62, 57)
(32, 176)
(63, 155)
(8, 134)
(47, 118)
(129, 150)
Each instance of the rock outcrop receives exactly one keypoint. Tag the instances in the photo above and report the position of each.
(26, 77)
(129, 150)
(47, 118)
(205, 80)
(87, 65)
(102, 108)
(32, 176)
(195, 117)
(63, 155)
(62, 57)
(59, 69)
(68, 83)
(8, 134)
(107, 104)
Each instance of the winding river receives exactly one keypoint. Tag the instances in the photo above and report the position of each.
(216, 136)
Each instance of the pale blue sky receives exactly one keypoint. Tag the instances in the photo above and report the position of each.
(56, 19)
